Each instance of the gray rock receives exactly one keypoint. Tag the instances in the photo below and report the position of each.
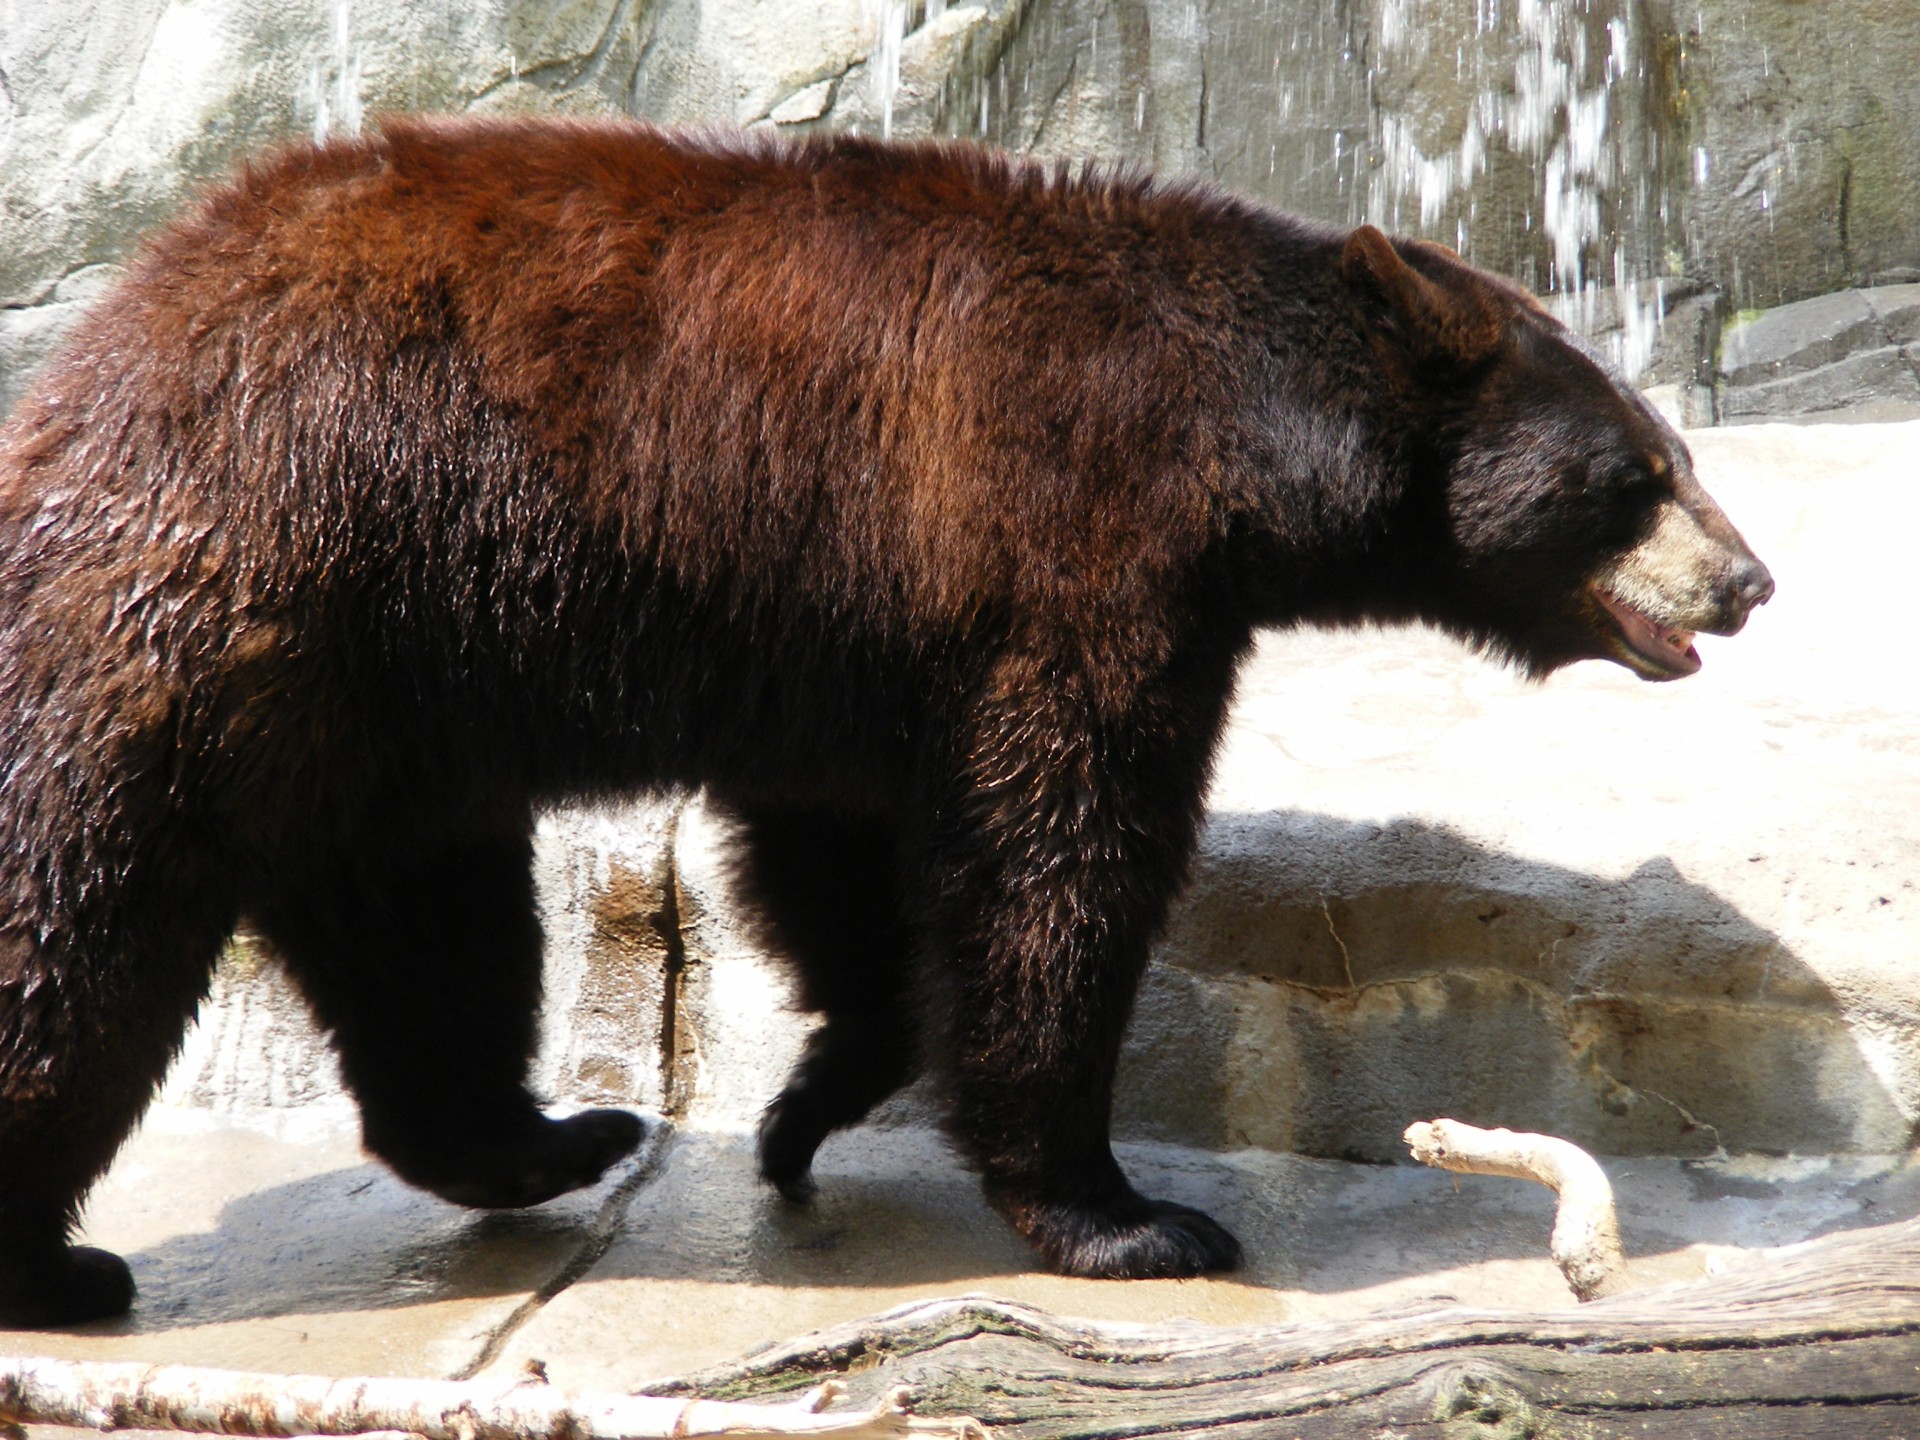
(1111, 81)
(1802, 118)
(112, 113)
(30, 329)
(1872, 385)
(1836, 353)
(255, 1049)
(1799, 337)
(1897, 307)
(610, 906)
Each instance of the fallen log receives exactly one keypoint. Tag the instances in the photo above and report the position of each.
(1819, 1341)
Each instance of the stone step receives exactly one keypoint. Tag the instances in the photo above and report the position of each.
(1852, 354)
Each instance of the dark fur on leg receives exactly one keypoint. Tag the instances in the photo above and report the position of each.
(824, 889)
(426, 970)
(86, 1028)
(1054, 892)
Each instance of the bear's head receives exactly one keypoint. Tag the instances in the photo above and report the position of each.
(1572, 526)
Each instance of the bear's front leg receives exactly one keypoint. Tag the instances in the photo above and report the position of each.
(1054, 873)
(1038, 993)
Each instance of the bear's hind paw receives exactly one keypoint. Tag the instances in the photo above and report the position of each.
(557, 1157)
(77, 1284)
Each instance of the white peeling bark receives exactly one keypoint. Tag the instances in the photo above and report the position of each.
(229, 1402)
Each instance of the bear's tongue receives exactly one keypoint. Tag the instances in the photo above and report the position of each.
(1667, 650)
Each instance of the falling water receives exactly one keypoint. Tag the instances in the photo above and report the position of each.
(1530, 135)
(335, 107)
(891, 17)
(1547, 81)
(893, 21)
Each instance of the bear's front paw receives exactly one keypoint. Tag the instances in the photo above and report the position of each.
(67, 1287)
(1144, 1240)
(788, 1138)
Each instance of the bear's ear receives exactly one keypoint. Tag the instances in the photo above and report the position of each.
(1435, 319)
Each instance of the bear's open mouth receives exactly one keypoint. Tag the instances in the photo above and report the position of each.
(1654, 650)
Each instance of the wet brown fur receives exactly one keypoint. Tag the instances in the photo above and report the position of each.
(917, 501)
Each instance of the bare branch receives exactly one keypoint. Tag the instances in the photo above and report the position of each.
(227, 1402)
(1586, 1233)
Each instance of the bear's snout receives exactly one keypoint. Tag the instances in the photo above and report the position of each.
(1694, 569)
(1691, 574)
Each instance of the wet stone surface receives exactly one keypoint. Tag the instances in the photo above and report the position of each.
(282, 1247)
(291, 1253)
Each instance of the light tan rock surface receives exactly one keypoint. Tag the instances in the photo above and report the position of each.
(284, 1250)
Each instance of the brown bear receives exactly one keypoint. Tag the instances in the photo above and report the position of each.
(916, 501)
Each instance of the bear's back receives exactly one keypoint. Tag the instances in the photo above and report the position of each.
(567, 429)
(805, 364)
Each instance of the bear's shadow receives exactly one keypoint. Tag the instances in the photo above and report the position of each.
(896, 1210)
(345, 1240)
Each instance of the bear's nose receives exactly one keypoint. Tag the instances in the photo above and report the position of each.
(1752, 584)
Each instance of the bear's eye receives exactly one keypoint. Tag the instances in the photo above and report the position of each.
(1637, 481)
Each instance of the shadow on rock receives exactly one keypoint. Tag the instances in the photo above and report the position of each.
(351, 1240)
(1326, 982)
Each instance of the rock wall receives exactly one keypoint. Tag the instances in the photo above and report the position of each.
(113, 111)
(1765, 147)
(1759, 150)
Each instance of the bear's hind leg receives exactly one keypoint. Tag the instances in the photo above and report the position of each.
(426, 972)
(824, 889)
(90, 1017)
